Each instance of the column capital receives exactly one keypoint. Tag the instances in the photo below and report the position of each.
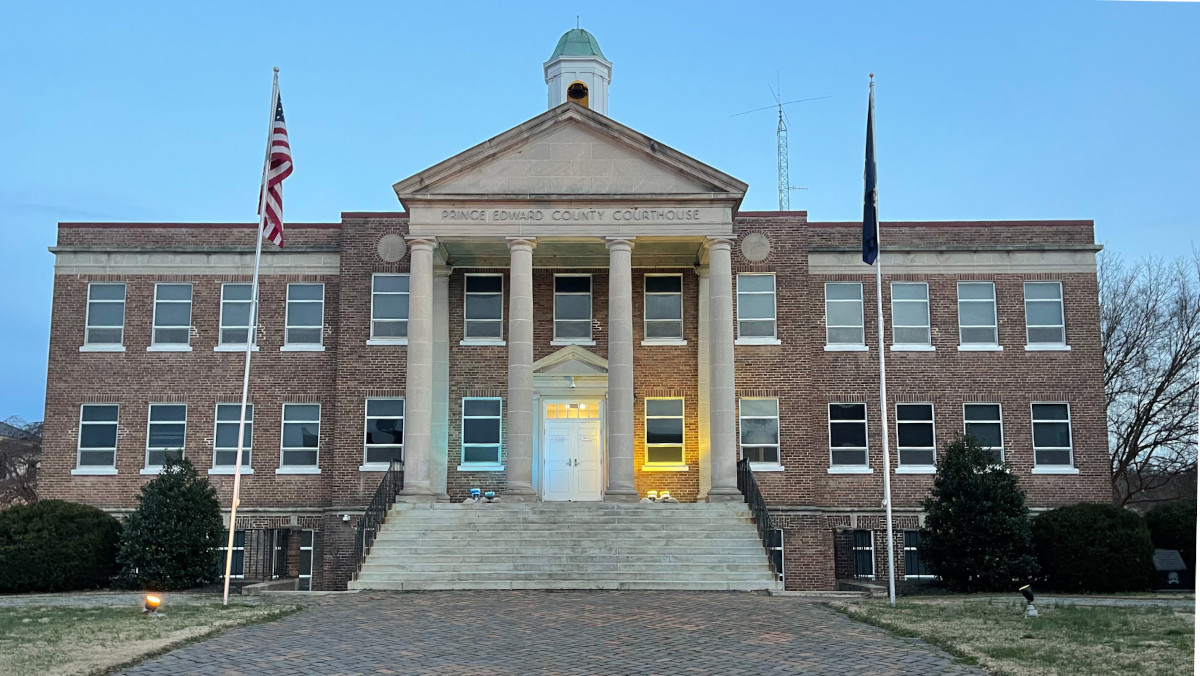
(421, 241)
(442, 271)
(719, 242)
(521, 242)
(701, 271)
(619, 242)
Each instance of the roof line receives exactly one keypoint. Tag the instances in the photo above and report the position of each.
(198, 226)
(952, 224)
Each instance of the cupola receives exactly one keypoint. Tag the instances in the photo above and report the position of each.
(577, 71)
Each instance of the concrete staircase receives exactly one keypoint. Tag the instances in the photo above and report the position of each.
(563, 545)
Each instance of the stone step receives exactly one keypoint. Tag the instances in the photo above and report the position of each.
(568, 567)
(559, 534)
(442, 585)
(406, 553)
(534, 575)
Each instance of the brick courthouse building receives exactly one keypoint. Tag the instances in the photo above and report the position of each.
(572, 311)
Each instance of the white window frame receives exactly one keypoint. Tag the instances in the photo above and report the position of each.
(999, 421)
(150, 423)
(388, 340)
(1062, 312)
(475, 465)
(897, 346)
(223, 548)
(853, 549)
(222, 344)
(647, 320)
(155, 344)
(367, 465)
(88, 345)
(860, 346)
(762, 466)
(665, 466)
(247, 451)
(79, 448)
(288, 345)
(1070, 448)
(964, 346)
(772, 339)
(589, 340)
(902, 468)
(314, 468)
(305, 581)
(470, 340)
(864, 468)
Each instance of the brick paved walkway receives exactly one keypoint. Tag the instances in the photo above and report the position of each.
(525, 633)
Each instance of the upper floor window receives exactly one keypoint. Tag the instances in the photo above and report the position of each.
(105, 323)
(165, 433)
(389, 307)
(983, 422)
(483, 307)
(756, 307)
(225, 442)
(481, 430)
(758, 424)
(664, 431)
(305, 314)
(910, 314)
(384, 437)
(1044, 314)
(977, 314)
(1052, 435)
(301, 436)
(914, 435)
(573, 307)
(844, 313)
(172, 315)
(97, 436)
(848, 435)
(664, 307)
(236, 300)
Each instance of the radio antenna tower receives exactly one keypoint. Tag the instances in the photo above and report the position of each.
(781, 143)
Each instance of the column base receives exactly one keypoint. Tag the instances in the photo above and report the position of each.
(441, 497)
(725, 495)
(519, 494)
(621, 495)
(418, 494)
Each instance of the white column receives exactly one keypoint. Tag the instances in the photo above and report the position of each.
(418, 395)
(620, 372)
(722, 411)
(704, 378)
(520, 372)
(440, 427)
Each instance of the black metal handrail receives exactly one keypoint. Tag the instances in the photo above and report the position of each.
(385, 495)
(771, 535)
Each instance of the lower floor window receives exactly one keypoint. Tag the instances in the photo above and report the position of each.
(914, 565)
(664, 431)
(237, 564)
(481, 430)
(306, 560)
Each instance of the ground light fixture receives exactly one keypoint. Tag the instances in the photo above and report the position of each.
(151, 603)
(1030, 610)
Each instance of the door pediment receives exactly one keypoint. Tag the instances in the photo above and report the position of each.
(571, 360)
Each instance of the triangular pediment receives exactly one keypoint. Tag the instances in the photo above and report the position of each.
(570, 151)
(571, 361)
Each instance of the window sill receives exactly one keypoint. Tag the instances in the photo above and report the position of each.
(850, 470)
(670, 342)
(481, 467)
(94, 471)
(980, 348)
(374, 467)
(388, 341)
(573, 342)
(846, 348)
(757, 341)
(229, 470)
(1047, 348)
(1054, 470)
(101, 348)
(916, 469)
(169, 348)
(474, 341)
(302, 348)
(234, 348)
(298, 470)
(672, 467)
(913, 348)
(151, 471)
(765, 467)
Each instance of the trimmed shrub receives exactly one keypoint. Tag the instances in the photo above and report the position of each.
(976, 535)
(1173, 526)
(171, 539)
(53, 546)
(1093, 548)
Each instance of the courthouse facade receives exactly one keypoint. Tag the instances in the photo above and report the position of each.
(573, 311)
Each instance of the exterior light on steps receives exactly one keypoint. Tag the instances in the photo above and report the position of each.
(663, 495)
(1027, 592)
(653, 495)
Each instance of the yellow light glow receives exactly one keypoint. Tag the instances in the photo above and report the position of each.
(664, 495)
(152, 601)
(652, 494)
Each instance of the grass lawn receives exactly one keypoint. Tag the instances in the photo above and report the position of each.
(97, 640)
(1063, 641)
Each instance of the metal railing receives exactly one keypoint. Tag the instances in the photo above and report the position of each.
(372, 519)
(259, 555)
(768, 532)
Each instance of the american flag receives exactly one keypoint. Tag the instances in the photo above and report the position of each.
(278, 167)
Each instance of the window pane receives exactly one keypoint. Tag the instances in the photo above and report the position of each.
(485, 284)
(851, 291)
(573, 330)
(306, 292)
(839, 457)
(756, 329)
(978, 291)
(170, 336)
(1042, 313)
(388, 306)
(173, 292)
(106, 314)
(98, 436)
(385, 431)
(96, 458)
(755, 283)
(106, 292)
(234, 412)
(973, 314)
(664, 307)
(483, 329)
(844, 314)
(104, 336)
(305, 458)
(914, 457)
(301, 435)
(385, 454)
(761, 453)
(843, 434)
(573, 307)
(911, 336)
(914, 412)
(1052, 457)
(664, 407)
(475, 407)
(303, 337)
(385, 407)
(664, 431)
(910, 314)
(664, 329)
(1043, 291)
(845, 336)
(1054, 336)
(756, 306)
(903, 291)
(664, 454)
(234, 336)
(481, 431)
(304, 314)
(235, 314)
(987, 434)
(1051, 435)
(96, 413)
(847, 411)
(915, 434)
(160, 412)
(389, 329)
(1049, 411)
(227, 435)
(236, 292)
(757, 407)
(573, 284)
(979, 336)
(484, 307)
(391, 283)
(164, 435)
(669, 284)
(981, 412)
(481, 454)
(760, 431)
(301, 412)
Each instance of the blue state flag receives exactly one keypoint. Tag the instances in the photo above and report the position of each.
(870, 247)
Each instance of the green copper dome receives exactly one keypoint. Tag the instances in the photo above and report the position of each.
(577, 42)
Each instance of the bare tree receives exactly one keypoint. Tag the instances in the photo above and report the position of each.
(20, 459)
(1150, 332)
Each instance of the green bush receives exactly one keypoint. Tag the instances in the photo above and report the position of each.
(976, 535)
(171, 539)
(1093, 548)
(52, 546)
(1173, 526)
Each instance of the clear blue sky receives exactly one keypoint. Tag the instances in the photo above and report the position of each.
(158, 111)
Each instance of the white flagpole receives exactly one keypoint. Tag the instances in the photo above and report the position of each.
(251, 341)
(883, 406)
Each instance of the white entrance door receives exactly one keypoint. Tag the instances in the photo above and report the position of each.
(573, 460)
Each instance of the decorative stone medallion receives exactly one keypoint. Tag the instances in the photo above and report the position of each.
(756, 247)
(392, 248)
